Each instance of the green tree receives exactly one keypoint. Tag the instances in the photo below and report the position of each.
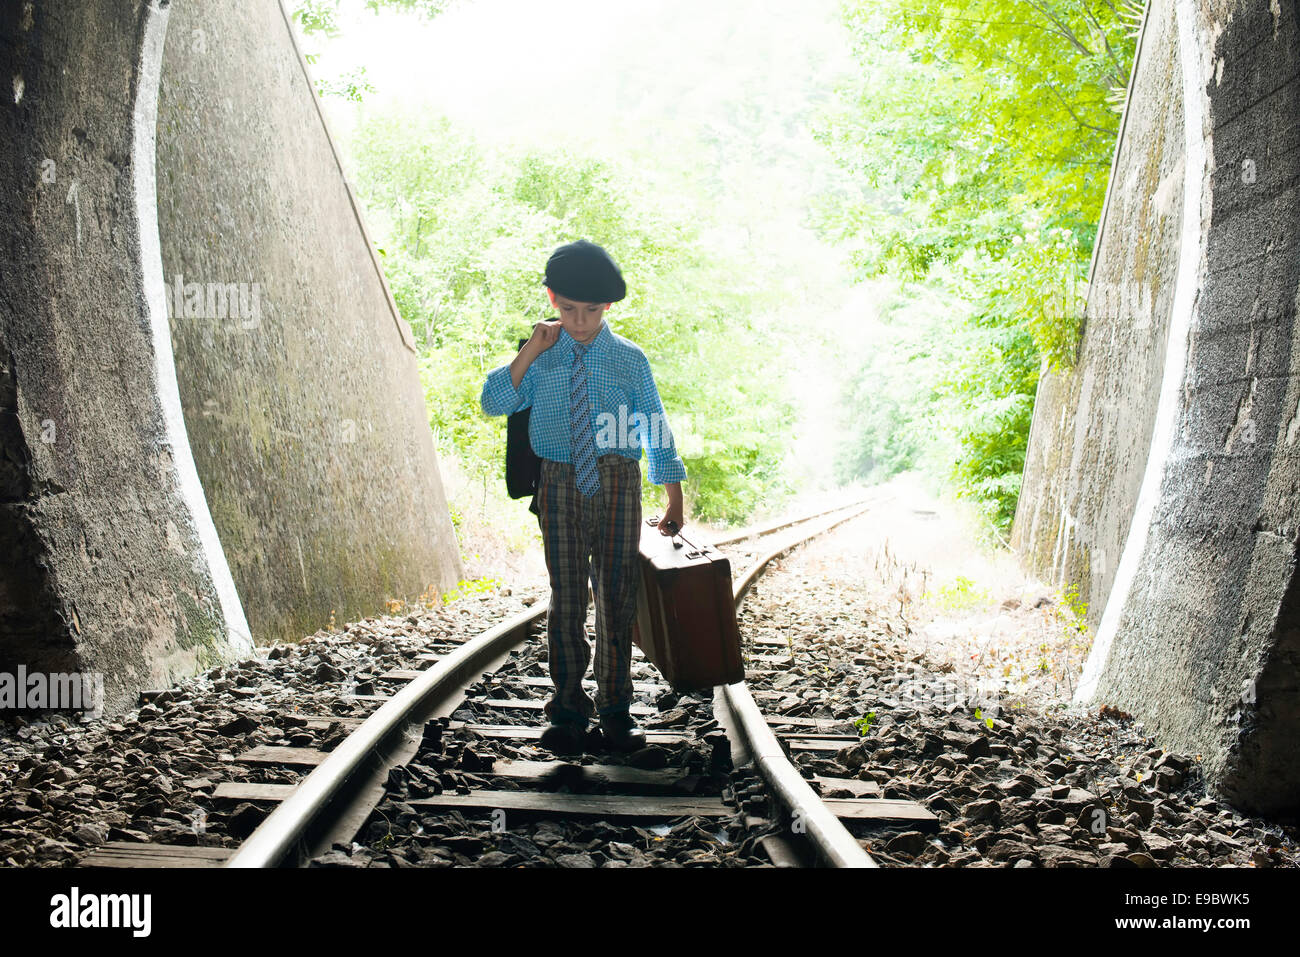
(321, 16)
(980, 134)
(466, 234)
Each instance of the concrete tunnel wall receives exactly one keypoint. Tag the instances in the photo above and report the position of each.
(1163, 472)
(307, 420)
(305, 427)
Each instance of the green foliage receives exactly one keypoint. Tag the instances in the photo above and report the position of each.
(864, 723)
(466, 234)
(962, 594)
(890, 403)
(317, 16)
(321, 16)
(351, 85)
(470, 586)
(980, 134)
(1072, 612)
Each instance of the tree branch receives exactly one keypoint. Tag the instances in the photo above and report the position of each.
(1056, 93)
(1062, 28)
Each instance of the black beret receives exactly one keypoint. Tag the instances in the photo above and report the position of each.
(584, 272)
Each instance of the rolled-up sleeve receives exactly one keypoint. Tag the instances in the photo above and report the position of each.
(500, 397)
(665, 465)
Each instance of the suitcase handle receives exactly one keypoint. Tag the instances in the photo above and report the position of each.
(695, 551)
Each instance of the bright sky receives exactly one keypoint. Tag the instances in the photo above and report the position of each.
(514, 66)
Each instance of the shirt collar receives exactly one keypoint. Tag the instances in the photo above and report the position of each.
(599, 343)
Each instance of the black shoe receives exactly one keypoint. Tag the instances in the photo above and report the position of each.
(563, 737)
(621, 733)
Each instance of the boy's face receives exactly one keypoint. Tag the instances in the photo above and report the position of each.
(579, 319)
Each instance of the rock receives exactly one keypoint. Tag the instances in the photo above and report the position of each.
(623, 852)
(1145, 810)
(1052, 816)
(325, 673)
(1005, 850)
(336, 858)
(1072, 801)
(1139, 859)
(1174, 762)
(91, 834)
(244, 820)
(1094, 819)
(126, 834)
(1167, 780)
(981, 811)
(1058, 856)
(175, 834)
(1012, 812)
(1227, 843)
(672, 718)
(241, 725)
(463, 844)
(909, 843)
(938, 803)
(1018, 786)
(851, 757)
(575, 860)
(1129, 837)
(958, 741)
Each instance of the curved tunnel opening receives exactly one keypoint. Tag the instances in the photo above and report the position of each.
(1166, 466)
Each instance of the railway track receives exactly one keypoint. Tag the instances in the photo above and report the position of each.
(457, 736)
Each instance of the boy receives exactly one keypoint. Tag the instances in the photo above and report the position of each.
(586, 384)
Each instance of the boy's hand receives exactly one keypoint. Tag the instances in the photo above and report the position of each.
(673, 519)
(544, 335)
(672, 522)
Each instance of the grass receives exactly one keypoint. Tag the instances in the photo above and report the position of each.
(961, 595)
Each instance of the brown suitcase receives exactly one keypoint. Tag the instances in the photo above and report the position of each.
(686, 616)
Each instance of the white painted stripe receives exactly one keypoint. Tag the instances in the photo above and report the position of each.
(186, 475)
(1191, 271)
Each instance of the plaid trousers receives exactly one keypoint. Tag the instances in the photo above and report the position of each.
(598, 538)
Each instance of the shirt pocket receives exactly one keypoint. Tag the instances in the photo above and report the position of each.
(618, 403)
(553, 388)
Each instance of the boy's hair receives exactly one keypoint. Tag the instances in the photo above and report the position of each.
(584, 272)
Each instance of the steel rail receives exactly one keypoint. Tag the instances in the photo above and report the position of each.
(277, 840)
(830, 838)
(753, 531)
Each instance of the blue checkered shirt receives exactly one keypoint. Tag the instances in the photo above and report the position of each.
(627, 413)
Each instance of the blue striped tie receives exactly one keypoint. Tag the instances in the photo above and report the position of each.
(583, 442)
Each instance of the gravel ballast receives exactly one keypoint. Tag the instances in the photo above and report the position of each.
(935, 711)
